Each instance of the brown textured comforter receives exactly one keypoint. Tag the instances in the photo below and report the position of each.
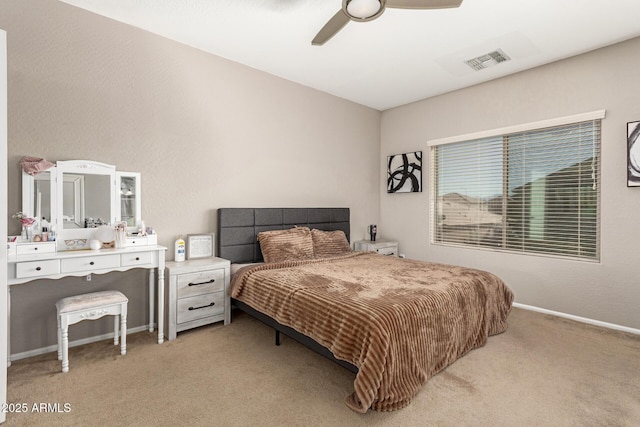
(399, 321)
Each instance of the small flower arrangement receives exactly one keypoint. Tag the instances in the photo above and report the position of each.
(25, 220)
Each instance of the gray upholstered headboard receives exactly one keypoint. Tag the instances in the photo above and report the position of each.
(238, 227)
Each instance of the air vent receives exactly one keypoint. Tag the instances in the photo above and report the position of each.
(488, 60)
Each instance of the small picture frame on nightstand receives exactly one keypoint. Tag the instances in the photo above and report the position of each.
(200, 246)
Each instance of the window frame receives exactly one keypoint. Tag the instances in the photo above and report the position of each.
(506, 132)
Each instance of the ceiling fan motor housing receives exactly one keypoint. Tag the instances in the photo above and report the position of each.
(367, 10)
(363, 10)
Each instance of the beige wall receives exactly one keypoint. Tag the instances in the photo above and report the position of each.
(204, 132)
(608, 291)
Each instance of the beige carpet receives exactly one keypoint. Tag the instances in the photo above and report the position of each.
(543, 371)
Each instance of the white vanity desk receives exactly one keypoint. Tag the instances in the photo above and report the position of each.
(76, 197)
(32, 264)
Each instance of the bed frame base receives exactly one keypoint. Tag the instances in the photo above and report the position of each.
(292, 333)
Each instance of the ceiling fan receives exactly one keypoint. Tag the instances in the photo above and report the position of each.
(367, 10)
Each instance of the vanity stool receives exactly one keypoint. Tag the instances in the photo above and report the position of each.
(90, 306)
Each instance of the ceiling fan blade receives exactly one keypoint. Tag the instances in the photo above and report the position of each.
(423, 4)
(331, 28)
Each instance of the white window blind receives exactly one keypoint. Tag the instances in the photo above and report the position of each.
(535, 191)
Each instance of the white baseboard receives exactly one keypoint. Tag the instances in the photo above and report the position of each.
(579, 319)
(51, 348)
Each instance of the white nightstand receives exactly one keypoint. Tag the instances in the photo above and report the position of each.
(382, 247)
(198, 293)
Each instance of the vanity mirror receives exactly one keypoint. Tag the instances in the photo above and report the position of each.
(128, 186)
(77, 196)
(39, 195)
(86, 200)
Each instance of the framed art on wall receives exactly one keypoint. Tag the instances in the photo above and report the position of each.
(633, 154)
(200, 246)
(404, 173)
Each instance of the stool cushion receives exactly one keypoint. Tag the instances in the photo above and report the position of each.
(91, 300)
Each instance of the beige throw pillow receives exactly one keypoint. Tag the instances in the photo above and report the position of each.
(329, 243)
(285, 245)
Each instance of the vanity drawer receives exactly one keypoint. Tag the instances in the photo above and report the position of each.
(141, 258)
(136, 241)
(35, 248)
(202, 282)
(90, 263)
(11, 249)
(151, 239)
(200, 306)
(37, 268)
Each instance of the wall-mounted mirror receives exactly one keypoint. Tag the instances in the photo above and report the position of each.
(86, 200)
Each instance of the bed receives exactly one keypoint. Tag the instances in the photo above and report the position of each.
(394, 322)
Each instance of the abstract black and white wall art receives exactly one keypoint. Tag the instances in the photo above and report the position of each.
(633, 154)
(404, 173)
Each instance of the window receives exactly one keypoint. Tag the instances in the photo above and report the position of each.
(532, 189)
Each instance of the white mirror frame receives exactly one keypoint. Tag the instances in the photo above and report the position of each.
(70, 238)
(138, 200)
(77, 182)
(28, 191)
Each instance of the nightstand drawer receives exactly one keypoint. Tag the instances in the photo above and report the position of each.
(389, 250)
(37, 268)
(200, 306)
(381, 247)
(202, 282)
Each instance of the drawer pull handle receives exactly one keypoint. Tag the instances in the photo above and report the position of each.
(38, 268)
(35, 249)
(202, 306)
(91, 263)
(202, 283)
(137, 258)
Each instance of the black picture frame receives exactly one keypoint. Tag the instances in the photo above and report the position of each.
(633, 154)
(404, 173)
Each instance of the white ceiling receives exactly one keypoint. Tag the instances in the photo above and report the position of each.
(401, 57)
